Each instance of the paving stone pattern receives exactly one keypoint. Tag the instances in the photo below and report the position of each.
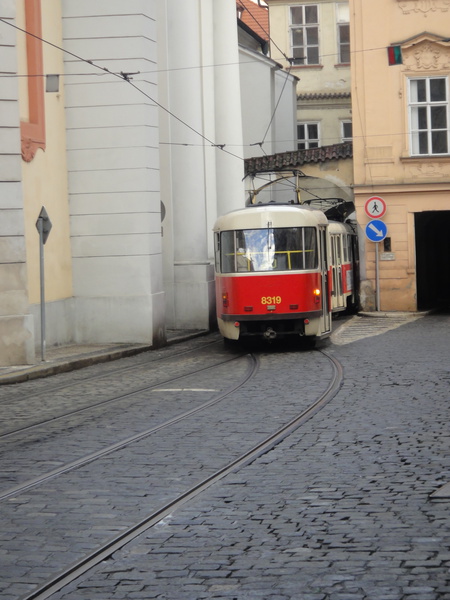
(54, 524)
(65, 440)
(339, 511)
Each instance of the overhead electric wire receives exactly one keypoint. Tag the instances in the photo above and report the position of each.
(287, 183)
(107, 71)
(277, 104)
(172, 70)
(149, 72)
(124, 77)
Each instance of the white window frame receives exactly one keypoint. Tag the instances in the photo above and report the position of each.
(346, 138)
(308, 141)
(343, 20)
(343, 46)
(306, 28)
(423, 134)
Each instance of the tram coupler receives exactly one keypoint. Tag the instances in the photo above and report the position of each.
(270, 334)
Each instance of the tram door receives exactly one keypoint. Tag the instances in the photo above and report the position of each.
(338, 289)
(326, 312)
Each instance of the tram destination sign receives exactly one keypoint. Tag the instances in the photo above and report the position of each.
(375, 207)
(376, 231)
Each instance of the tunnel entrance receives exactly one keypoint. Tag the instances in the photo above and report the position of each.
(432, 231)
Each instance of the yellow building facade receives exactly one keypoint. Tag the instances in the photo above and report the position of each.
(311, 39)
(400, 61)
(44, 173)
(33, 174)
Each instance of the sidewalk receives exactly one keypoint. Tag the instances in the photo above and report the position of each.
(61, 359)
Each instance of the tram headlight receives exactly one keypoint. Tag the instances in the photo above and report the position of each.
(316, 294)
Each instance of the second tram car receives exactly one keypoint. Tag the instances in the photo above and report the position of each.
(344, 253)
(280, 271)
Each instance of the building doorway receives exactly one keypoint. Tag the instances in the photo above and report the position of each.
(432, 259)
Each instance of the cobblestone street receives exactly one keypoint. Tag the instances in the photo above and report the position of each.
(340, 510)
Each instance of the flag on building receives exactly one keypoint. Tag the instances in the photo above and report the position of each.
(395, 55)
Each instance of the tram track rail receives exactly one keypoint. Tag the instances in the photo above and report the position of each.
(252, 369)
(105, 402)
(105, 551)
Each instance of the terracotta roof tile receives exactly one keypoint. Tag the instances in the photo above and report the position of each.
(323, 96)
(285, 161)
(256, 17)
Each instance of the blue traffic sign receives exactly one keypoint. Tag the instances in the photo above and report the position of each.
(376, 231)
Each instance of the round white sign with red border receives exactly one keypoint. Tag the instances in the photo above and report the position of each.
(375, 207)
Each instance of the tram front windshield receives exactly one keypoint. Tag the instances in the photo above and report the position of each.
(280, 249)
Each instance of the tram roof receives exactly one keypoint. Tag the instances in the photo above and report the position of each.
(259, 216)
(338, 227)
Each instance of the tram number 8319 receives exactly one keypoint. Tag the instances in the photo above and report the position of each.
(271, 300)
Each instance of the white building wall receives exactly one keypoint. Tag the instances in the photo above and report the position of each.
(229, 114)
(269, 105)
(257, 102)
(16, 324)
(113, 163)
(201, 108)
(285, 122)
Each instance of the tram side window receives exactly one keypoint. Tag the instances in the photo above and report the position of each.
(310, 247)
(345, 247)
(350, 248)
(333, 249)
(227, 252)
(217, 252)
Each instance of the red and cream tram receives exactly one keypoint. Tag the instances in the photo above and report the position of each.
(273, 268)
(344, 252)
(282, 270)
